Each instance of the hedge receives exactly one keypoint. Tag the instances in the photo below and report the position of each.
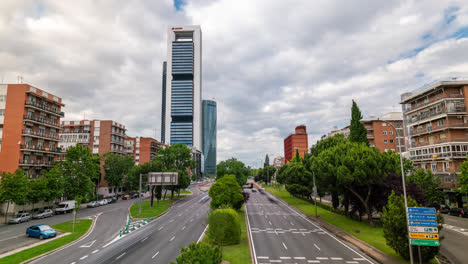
(224, 227)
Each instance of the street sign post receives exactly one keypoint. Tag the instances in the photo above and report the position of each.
(421, 210)
(424, 236)
(422, 223)
(423, 226)
(425, 242)
(422, 217)
(423, 229)
(163, 178)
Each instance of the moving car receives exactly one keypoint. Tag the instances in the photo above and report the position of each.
(455, 211)
(41, 231)
(20, 218)
(126, 197)
(254, 190)
(102, 202)
(43, 214)
(65, 207)
(444, 209)
(93, 204)
(464, 212)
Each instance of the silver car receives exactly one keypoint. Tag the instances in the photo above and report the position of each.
(43, 214)
(20, 218)
(102, 202)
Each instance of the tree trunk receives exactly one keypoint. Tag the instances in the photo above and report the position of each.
(346, 203)
(6, 213)
(165, 192)
(335, 199)
(172, 193)
(152, 196)
(365, 203)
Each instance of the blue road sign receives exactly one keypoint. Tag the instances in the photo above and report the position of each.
(422, 217)
(422, 223)
(421, 210)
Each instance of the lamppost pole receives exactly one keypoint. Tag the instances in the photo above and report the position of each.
(404, 188)
(139, 197)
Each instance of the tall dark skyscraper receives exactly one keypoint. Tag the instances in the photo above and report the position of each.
(163, 105)
(209, 116)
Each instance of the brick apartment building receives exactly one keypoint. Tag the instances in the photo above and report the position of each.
(278, 162)
(29, 128)
(436, 126)
(295, 141)
(141, 149)
(382, 135)
(101, 136)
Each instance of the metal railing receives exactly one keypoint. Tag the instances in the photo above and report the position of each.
(435, 128)
(34, 162)
(42, 121)
(45, 108)
(39, 134)
(435, 99)
(39, 148)
(451, 154)
(444, 110)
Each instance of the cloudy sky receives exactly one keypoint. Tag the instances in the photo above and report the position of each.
(270, 65)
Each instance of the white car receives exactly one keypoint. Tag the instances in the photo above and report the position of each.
(102, 202)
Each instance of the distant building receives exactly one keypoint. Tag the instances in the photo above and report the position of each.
(382, 136)
(29, 128)
(101, 136)
(163, 105)
(344, 131)
(295, 141)
(278, 162)
(209, 136)
(141, 149)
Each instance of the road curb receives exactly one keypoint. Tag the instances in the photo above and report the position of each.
(374, 253)
(90, 229)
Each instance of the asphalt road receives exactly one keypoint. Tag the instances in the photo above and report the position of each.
(13, 236)
(157, 242)
(281, 235)
(455, 239)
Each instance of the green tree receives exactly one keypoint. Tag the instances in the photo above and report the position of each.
(395, 228)
(462, 179)
(226, 192)
(224, 227)
(198, 253)
(299, 181)
(14, 188)
(358, 133)
(55, 184)
(79, 169)
(115, 168)
(132, 180)
(430, 184)
(235, 167)
(37, 190)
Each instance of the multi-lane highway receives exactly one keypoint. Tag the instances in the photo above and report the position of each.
(281, 235)
(157, 242)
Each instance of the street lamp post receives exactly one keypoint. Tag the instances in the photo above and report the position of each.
(404, 188)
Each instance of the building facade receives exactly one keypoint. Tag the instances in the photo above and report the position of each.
(209, 136)
(295, 141)
(382, 135)
(183, 86)
(141, 149)
(100, 136)
(278, 162)
(163, 104)
(436, 125)
(29, 128)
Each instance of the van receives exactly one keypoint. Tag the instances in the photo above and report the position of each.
(65, 207)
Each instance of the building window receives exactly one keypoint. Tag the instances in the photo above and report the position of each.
(384, 124)
(437, 95)
(384, 132)
(434, 167)
(419, 128)
(440, 122)
(385, 141)
(421, 140)
(2, 112)
(442, 136)
(447, 179)
(391, 141)
(390, 132)
(446, 166)
(2, 98)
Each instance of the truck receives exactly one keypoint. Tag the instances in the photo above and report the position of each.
(65, 207)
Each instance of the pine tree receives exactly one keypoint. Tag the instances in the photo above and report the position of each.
(358, 133)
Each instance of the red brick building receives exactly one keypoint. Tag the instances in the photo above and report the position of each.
(382, 135)
(295, 141)
(29, 128)
(141, 149)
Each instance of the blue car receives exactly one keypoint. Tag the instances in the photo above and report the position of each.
(41, 231)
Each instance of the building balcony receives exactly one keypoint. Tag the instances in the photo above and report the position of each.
(439, 128)
(42, 121)
(118, 134)
(35, 163)
(44, 108)
(369, 128)
(427, 116)
(118, 142)
(39, 148)
(370, 136)
(36, 134)
(440, 156)
(433, 100)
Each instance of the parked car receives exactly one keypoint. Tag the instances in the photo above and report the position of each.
(464, 212)
(102, 202)
(93, 204)
(444, 209)
(126, 197)
(20, 218)
(41, 231)
(254, 190)
(112, 199)
(43, 214)
(455, 211)
(135, 195)
(65, 207)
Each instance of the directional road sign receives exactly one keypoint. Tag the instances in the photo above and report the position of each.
(424, 242)
(421, 210)
(424, 236)
(422, 216)
(422, 223)
(423, 229)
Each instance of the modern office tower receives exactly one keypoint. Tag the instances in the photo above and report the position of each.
(141, 149)
(163, 105)
(183, 87)
(295, 141)
(29, 128)
(435, 119)
(101, 136)
(382, 136)
(209, 136)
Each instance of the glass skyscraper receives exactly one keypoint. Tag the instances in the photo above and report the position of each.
(209, 116)
(163, 105)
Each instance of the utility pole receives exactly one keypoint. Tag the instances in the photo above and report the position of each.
(139, 197)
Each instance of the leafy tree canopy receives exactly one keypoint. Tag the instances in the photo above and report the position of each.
(358, 133)
(226, 192)
(235, 167)
(430, 183)
(116, 167)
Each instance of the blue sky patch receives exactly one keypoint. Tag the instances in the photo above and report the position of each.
(178, 4)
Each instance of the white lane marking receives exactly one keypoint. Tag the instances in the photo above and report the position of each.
(262, 257)
(172, 239)
(316, 246)
(352, 262)
(183, 228)
(180, 214)
(251, 238)
(155, 254)
(275, 260)
(144, 239)
(161, 227)
(270, 222)
(285, 247)
(73, 263)
(336, 258)
(87, 245)
(291, 223)
(83, 257)
(358, 259)
(95, 251)
(285, 257)
(299, 257)
(313, 261)
(199, 239)
(120, 255)
(321, 258)
(11, 237)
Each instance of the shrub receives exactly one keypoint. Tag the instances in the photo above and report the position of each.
(224, 227)
(396, 229)
(226, 192)
(199, 254)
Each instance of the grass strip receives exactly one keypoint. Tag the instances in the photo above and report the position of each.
(146, 211)
(185, 192)
(81, 227)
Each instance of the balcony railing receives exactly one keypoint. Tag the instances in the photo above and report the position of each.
(117, 142)
(39, 148)
(32, 162)
(117, 133)
(434, 99)
(44, 108)
(435, 128)
(370, 136)
(443, 155)
(42, 121)
(40, 135)
(445, 110)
